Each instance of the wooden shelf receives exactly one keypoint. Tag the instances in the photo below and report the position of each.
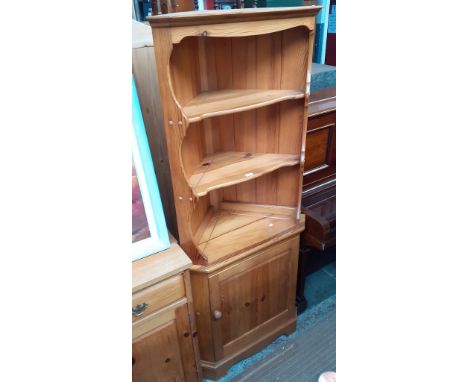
(225, 169)
(237, 227)
(215, 103)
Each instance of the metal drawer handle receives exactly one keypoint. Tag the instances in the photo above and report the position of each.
(139, 309)
(217, 315)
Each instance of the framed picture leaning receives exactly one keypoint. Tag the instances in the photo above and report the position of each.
(149, 231)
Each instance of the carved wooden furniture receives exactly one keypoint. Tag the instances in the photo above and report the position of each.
(234, 92)
(164, 335)
(319, 187)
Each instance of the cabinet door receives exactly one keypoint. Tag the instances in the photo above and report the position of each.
(254, 298)
(166, 353)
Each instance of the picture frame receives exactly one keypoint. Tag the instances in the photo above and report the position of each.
(149, 230)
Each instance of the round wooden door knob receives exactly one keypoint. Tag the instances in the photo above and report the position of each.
(217, 315)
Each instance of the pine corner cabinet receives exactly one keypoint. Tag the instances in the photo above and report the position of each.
(234, 87)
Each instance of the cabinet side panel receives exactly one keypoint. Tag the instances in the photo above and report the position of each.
(291, 129)
(174, 134)
(193, 325)
(201, 306)
(293, 275)
(146, 79)
(311, 40)
(184, 333)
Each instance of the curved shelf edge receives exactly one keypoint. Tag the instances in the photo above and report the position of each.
(230, 168)
(222, 102)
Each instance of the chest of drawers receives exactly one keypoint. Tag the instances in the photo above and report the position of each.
(164, 336)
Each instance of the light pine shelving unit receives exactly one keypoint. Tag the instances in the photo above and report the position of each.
(234, 90)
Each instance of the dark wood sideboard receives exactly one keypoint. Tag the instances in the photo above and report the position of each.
(319, 188)
(172, 6)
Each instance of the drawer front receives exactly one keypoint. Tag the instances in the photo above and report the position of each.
(321, 120)
(157, 296)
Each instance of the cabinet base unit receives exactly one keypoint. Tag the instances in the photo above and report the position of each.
(243, 304)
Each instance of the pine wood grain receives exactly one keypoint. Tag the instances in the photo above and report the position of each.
(157, 356)
(165, 343)
(145, 326)
(229, 168)
(260, 62)
(163, 347)
(155, 268)
(201, 306)
(230, 230)
(188, 350)
(231, 16)
(256, 298)
(159, 295)
(235, 82)
(172, 116)
(215, 103)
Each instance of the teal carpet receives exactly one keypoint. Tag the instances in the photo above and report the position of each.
(307, 352)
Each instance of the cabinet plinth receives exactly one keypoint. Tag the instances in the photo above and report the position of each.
(234, 92)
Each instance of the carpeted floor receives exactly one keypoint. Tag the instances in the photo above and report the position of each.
(306, 353)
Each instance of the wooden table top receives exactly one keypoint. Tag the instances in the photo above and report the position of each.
(152, 269)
